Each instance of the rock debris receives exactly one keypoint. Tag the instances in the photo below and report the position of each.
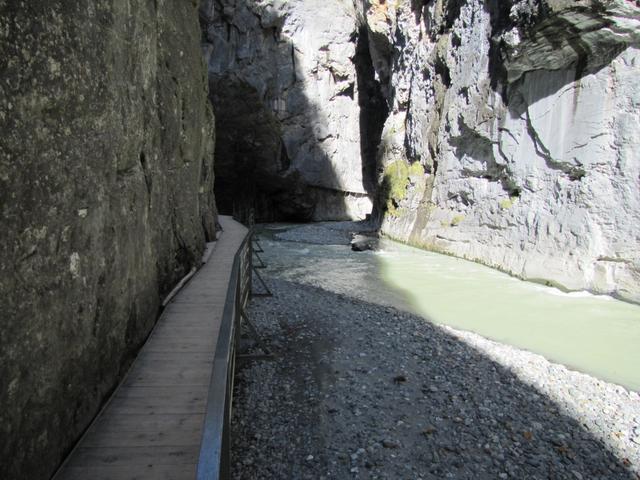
(359, 390)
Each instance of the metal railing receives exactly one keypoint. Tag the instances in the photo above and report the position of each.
(215, 449)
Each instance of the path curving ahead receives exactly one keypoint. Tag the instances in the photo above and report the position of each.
(151, 428)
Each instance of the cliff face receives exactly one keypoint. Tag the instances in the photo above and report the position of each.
(106, 164)
(513, 135)
(510, 127)
(287, 97)
(505, 132)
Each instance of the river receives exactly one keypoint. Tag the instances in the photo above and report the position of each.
(597, 335)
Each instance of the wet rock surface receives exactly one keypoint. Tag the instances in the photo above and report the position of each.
(359, 390)
(361, 242)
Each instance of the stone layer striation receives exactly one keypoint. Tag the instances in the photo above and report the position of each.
(513, 135)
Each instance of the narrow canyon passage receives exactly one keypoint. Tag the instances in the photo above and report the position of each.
(360, 389)
(500, 132)
(597, 335)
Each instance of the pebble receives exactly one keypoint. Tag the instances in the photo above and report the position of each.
(468, 407)
(390, 444)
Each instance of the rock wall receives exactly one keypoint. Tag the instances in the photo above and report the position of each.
(106, 164)
(287, 97)
(510, 127)
(513, 137)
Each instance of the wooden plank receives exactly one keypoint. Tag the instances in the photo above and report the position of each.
(132, 472)
(188, 310)
(188, 330)
(169, 342)
(172, 344)
(183, 375)
(159, 400)
(212, 276)
(147, 423)
(181, 366)
(180, 312)
(210, 320)
(175, 331)
(170, 438)
(145, 430)
(163, 359)
(112, 456)
(200, 299)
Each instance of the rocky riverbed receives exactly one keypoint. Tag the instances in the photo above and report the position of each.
(359, 390)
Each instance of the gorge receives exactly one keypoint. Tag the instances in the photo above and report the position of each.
(502, 132)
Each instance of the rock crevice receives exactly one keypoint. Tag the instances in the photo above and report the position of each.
(298, 62)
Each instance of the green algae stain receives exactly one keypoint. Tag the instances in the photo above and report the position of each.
(507, 203)
(397, 177)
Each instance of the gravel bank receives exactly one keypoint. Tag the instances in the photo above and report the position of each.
(359, 390)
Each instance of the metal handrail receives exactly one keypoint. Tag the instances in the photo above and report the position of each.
(214, 460)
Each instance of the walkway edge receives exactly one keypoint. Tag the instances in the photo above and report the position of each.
(214, 459)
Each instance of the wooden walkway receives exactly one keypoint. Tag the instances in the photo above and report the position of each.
(152, 426)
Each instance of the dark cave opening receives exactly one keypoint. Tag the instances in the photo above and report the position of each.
(251, 162)
(255, 178)
(374, 111)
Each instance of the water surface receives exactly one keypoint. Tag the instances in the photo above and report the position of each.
(593, 334)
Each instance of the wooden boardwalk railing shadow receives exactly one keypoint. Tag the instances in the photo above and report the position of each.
(168, 418)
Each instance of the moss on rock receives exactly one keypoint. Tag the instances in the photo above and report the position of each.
(397, 177)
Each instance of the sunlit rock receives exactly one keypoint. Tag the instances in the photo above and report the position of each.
(284, 85)
(525, 118)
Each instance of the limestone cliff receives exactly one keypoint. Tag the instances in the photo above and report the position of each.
(513, 137)
(287, 96)
(510, 127)
(106, 163)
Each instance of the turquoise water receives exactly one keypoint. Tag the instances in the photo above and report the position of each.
(593, 334)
